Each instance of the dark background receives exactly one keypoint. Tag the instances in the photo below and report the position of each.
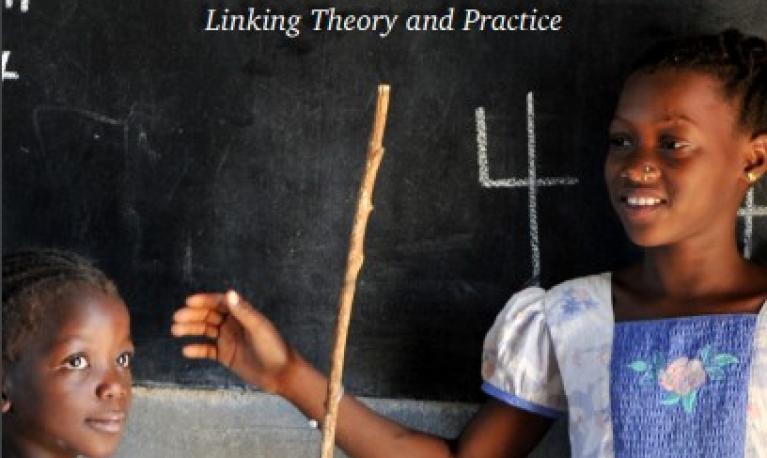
(183, 160)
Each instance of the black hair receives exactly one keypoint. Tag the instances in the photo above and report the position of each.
(33, 282)
(739, 61)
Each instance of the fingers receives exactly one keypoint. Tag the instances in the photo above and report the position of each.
(242, 311)
(194, 329)
(213, 301)
(195, 315)
(204, 313)
(200, 351)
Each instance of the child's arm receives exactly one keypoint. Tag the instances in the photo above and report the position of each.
(247, 343)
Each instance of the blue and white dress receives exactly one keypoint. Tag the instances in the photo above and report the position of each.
(676, 387)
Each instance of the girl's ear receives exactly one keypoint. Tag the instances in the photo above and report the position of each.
(756, 158)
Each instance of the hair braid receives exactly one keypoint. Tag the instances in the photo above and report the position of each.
(739, 61)
(33, 280)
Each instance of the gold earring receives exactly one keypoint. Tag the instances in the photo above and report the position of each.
(752, 177)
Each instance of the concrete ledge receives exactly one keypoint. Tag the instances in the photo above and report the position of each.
(174, 422)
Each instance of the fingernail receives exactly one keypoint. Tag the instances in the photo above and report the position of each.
(232, 298)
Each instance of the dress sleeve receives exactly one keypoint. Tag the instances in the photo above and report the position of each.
(519, 366)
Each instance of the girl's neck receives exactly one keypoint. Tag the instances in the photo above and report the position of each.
(694, 277)
(684, 271)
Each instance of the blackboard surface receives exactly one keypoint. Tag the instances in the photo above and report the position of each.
(183, 159)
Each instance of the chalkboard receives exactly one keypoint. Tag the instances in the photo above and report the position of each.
(185, 159)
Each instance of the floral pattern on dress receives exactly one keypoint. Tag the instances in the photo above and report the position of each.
(682, 378)
(572, 304)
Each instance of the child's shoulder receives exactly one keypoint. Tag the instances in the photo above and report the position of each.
(582, 299)
(578, 297)
(595, 283)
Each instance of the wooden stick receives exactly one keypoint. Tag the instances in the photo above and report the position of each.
(354, 261)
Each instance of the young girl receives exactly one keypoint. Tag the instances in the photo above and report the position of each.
(66, 378)
(665, 358)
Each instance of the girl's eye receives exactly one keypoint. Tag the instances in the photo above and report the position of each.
(672, 144)
(619, 141)
(124, 360)
(77, 362)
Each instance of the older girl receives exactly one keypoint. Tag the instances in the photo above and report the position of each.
(665, 358)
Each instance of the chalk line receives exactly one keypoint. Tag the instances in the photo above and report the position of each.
(8, 74)
(484, 169)
(23, 5)
(532, 192)
(748, 212)
(531, 182)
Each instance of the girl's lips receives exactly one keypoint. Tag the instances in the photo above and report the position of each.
(109, 423)
(642, 201)
(642, 198)
(641, 208)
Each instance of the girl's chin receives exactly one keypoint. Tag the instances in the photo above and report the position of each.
(646, 238)
(102, 450)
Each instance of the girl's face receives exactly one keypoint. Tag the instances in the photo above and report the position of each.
(677, 159)
(71, 389)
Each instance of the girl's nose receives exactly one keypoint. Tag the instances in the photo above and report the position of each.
(642, 173)
(112, 387)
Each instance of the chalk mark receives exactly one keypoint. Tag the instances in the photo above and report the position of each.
(92, 115)
(484, 169)
(188, 264)
(532, 182)
(23, 5)
(8, 74)
(177, 181)
(748, 212)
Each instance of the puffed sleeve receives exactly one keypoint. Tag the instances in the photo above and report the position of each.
(519, 366)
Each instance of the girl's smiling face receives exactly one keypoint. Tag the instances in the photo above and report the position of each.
(677, 162)
(70, 391)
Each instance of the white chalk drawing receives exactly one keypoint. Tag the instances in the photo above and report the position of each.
(748, 212)
(8, 74)
(532, 182)
(23, 5)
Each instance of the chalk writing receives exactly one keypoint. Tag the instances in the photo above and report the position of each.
(531, 182)
(23, 5)
(8, 74)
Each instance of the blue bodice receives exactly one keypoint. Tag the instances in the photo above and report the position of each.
(679, 387)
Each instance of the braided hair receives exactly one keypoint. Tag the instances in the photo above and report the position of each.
(34, 281)
(738, 61)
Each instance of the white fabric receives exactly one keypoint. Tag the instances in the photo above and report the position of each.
(756, 419)
(518, 357)
(580, 317)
